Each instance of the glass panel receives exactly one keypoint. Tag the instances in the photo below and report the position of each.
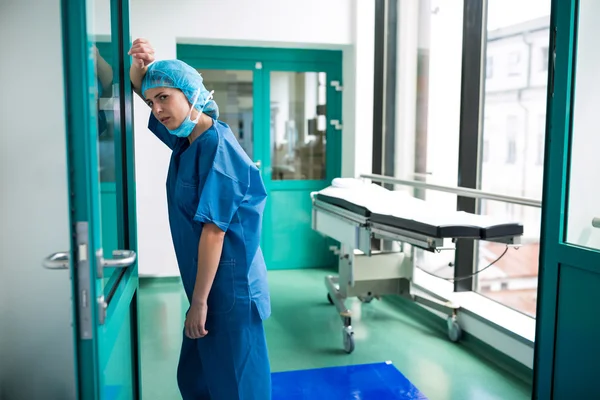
(234, 93)
(427, 133)
(583, 221)
(510, 275)
(298, 125)
(512, 144)
(109, 131)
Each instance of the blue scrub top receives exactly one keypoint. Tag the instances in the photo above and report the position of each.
(212, 180)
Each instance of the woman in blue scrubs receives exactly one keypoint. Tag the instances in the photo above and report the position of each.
(215, 198)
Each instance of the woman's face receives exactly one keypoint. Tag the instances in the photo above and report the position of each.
(169, 106)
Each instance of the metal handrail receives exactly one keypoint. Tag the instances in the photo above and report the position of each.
(465, 192)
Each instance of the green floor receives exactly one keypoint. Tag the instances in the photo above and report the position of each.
(305, 332)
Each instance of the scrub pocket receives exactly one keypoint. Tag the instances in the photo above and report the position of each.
(221, 298)
(186, 195)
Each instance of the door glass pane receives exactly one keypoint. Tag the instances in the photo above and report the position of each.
(298, 125)
(234, 92)
(583, 221)
(108, 110)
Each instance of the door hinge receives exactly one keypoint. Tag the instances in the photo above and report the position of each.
(337, 85)
(336, 124)
(83, 281)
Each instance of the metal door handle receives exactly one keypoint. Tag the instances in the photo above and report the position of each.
(596, 222)
(58, 260)
(121, 259)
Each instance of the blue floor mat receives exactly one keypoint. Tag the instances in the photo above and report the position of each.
(380, 381)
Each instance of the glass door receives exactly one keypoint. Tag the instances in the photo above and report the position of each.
(102, 257)
(567, 357)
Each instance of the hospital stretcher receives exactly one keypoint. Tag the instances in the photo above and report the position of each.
(354, 212)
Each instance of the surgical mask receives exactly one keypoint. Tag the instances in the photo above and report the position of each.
(187, 126)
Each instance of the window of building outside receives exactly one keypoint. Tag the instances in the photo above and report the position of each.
(516, 95)
(430, 38)
(512, 130)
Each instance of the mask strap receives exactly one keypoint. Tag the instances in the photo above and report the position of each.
(192, 107)
(208, 98)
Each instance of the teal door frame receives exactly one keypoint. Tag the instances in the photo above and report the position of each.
(565, 362)
(263, 61)
(105, 324)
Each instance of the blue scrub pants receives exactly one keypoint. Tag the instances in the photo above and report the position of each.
(231, 362)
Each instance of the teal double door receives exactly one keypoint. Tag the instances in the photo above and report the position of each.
(102, 255)
(567, 356)
(285, 106)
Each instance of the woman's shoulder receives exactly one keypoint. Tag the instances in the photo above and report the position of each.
(230, 157)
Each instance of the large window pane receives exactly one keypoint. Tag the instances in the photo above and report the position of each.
(512, 143)
(428, 113)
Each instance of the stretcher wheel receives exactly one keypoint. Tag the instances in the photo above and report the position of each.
(366, 299)
(330, 299)
(348, 340)
(454, 330)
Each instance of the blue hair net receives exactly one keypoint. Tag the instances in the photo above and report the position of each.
(178, 75)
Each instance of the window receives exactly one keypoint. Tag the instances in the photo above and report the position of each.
(512, 279)
(511, 138)
(489, 67)
(441, 117)
(485, 148)
(486, 151)
(514, 63)
(544, 58)
(428, 138)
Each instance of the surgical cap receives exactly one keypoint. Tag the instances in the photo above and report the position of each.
(178, 75)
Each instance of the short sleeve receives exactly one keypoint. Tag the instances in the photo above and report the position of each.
(219, 199)
(161, 132)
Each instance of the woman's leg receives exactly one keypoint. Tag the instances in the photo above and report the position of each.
(190, 375)
(235, 359)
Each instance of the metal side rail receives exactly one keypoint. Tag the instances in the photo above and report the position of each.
(424, 242)
(348, 228)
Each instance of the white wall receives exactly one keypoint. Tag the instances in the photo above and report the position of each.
(36, 338)
(334, 24)
(584, 203)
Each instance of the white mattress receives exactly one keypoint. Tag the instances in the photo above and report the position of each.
(399, 204)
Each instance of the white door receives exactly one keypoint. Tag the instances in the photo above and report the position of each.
(36, 337)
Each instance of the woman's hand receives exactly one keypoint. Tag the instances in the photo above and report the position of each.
(195, 321)
(142, 54)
